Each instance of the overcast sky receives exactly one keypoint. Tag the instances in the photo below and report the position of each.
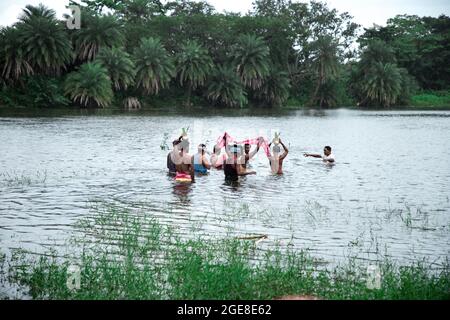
(365, 12)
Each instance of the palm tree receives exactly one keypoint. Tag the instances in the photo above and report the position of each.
(40, 11)
(377, 51)
(154, 66)
(377, 80)
(89, 85)
(95, 33)
(119, 65)
(325, 66)
(131, 103)
(328, 95)
(381, 84)
(275, 88)
(13, 62)
(43, 40)
(225, 88)
(251, 58)
(194, 64)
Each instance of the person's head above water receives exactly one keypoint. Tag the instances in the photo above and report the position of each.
(247, 147)
(327, 150)
(236, 149)
(175, 142)
(201, 148)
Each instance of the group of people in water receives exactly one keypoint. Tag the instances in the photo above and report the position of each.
(233, 162)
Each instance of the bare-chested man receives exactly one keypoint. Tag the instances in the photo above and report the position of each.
(276, 160)
(183, 160)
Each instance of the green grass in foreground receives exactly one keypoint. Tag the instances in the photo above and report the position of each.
(126, 256)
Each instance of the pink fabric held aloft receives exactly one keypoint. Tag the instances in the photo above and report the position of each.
(228, 139)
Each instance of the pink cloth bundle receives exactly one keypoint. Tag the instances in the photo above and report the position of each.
(228, 140)
(184, 177)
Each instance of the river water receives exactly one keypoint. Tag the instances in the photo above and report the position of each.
(388, 191)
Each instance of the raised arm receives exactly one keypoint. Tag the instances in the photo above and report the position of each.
(286, 151)
(270, 154)
(205, 162)
(227, 148)
(255, 151)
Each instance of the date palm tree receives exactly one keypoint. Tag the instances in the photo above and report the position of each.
(13, 63)
(95, 33)
(193, 66)
(40, 10)
(119, 65)
(377, 51)
(225, 88)
(275, 88)
(377, 80)
(154, 66)
(89, 85)
(381, 85)
(251, 58)
(325, 67)
(43, 40)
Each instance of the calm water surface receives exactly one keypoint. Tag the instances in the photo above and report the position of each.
(388, 192)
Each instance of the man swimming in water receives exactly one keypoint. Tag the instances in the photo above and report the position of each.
(275, 160)
(201, 164)
(327, 157)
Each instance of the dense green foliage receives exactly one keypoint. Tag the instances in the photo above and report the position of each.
(225, 88)
(154, 65)
(89, 86)
(43, 40)
(124, 255)
(194, 64)
(280, 51)
(420, 45)
(97, 32)
(121, 69)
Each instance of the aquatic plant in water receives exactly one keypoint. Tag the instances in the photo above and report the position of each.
(128, 255)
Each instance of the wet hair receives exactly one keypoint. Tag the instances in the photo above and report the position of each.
(328, 148)
(175, 142)
(247, 144)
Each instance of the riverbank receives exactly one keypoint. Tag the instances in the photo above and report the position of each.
(430, 100)
(195, 110)
(433, 100)
(123, 256)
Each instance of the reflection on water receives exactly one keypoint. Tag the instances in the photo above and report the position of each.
(181, 190)
(388, 188)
